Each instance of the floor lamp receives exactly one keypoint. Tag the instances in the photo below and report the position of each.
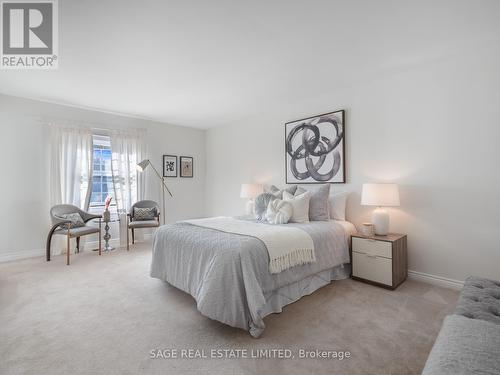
(141, 167)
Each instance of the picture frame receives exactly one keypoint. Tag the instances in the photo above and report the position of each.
(186, 166)
(169, 166)
(315, 149)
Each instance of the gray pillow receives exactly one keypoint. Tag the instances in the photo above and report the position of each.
(279, 193)
(318, 204)
(141, 214)
(75, 218)
(299, 191)
(261, 203)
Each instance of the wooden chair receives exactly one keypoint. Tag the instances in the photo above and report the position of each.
(62, 226)
(133, 224)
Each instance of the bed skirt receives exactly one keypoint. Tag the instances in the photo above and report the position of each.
(277, 299)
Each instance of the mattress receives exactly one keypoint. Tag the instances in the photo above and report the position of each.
(228, 274)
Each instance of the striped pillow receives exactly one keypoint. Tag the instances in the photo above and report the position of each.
(141, 214)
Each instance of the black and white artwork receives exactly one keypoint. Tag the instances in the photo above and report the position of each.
(169, 166)
(315, 149)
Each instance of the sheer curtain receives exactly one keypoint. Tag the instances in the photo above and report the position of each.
(128, 149)
(70, 165)
(71, 155)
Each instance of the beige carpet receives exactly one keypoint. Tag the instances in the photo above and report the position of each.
(103, 315)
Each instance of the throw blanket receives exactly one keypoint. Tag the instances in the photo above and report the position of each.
(287, 246)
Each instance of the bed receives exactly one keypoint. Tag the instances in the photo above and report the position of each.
(228, 274)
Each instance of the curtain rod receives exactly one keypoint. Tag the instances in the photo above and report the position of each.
(87, 124)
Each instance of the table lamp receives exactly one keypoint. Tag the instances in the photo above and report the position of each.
(250, 191)
(380, 195)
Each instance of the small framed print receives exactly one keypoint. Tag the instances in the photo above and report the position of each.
(169, 166)
(186, 165)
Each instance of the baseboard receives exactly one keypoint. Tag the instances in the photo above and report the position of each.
(25, 254)
(21, 254)
(435, 280)
(114, 242)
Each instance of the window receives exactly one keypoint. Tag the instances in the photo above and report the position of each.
(102, 180)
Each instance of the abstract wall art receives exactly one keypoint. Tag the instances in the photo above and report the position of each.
(315, 149)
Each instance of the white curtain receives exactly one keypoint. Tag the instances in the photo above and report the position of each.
(71, 165)
(71, 155)
(127, 147)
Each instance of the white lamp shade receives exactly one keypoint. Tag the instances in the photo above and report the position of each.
(142, 165)
(382, 195)
(250, 191)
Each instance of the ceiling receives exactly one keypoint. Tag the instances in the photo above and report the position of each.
(208, 63)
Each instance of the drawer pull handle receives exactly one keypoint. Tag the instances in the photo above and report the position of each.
(371, 255)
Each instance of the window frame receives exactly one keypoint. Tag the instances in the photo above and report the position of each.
(101, 142)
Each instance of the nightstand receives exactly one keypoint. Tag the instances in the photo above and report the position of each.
(379, 260)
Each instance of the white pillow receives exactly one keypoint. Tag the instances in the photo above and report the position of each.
(337, 203)
(300, 204)
(279, 212)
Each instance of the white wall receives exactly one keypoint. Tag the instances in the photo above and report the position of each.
(433, 128)
(24, 222)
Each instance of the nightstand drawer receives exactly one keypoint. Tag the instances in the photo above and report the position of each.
(372, 268)
(372, 247)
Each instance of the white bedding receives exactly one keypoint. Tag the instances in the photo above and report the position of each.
(228, 274)
(349, 227)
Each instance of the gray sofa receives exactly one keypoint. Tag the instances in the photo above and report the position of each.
(469, 341)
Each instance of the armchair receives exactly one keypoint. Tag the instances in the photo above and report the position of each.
(133, 224)
(63, 226)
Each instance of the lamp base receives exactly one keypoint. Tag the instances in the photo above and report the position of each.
(249, 207)
(380, 221)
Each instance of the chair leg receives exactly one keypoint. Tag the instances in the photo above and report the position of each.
(77, 244)
(133, 236)
(100, 237)
(49, 241)
(47, 247)
(127, 228)
(68, 249)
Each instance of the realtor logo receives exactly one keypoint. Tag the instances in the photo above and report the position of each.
(29, 34)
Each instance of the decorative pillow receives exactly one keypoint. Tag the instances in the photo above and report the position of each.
(337, 204)
(261, 203)
(300, 204)
(299, 191)
(141, 214)
(272, 189)
(318, 204)
(279, 193)
(75, 218)
(279, 212)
